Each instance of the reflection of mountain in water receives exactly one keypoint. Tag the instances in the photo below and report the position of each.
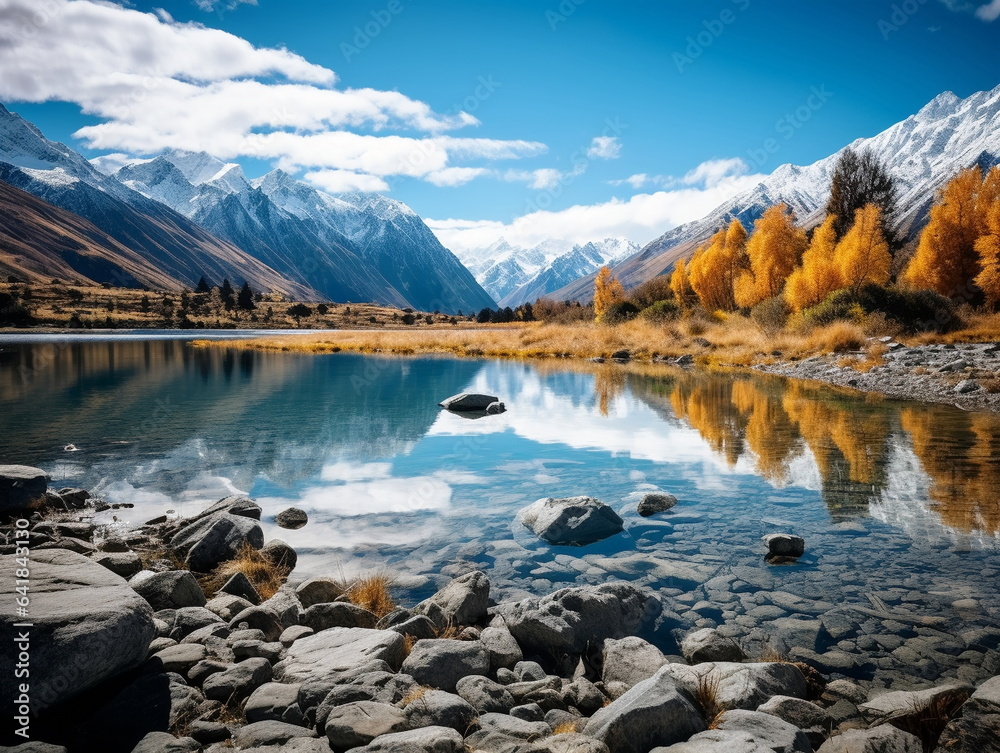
(132, 405)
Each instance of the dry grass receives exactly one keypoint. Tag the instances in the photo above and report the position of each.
(566, 728)
(414, 695)
(706, 696)
(928, 722)
(266, 577)
(409, 641)
(372, 593)
(978, 328)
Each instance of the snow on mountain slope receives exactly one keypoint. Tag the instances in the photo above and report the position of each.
(923, 152)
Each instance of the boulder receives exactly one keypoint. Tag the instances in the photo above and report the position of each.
(275, 701)
(654, 712)
(123, 564)
(485, 695)
(237, 682)
(572, 620)
(164, 742)
(468, 402)
(495, 409)
(436, 708)
(629, 661)
(20, 487)
(355, 724)
(318, 591)
(745, 732)
(740, 686)
(569, 743)
(281, 554)
(426, 740)
(462, 602)
(179, 659)
(292, 634)
(900, 704)
(227, 606)
(208, 732)
(883, 739)
(709, 645)
(209, 541)
(572, 521)
(87, 626)
(259, 618)
(169, 590)
(655, 502)
(338, 650)
(239, 585)
(293, 518)
(502, 648)
(499, 730)
(237, 504)
(259, 734)
(377, 686)
(784, 545)
(976, 728)
(338, 614)
(441, 663)
(189, 619)
(815, 721)
(417, 627)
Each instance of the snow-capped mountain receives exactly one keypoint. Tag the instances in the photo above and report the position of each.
(350, 247)
(181, 249)
(923, 152)
(514, 275)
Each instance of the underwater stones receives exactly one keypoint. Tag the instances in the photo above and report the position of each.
(784, 546)
(572, 521)
(655, 502)
(468, 402)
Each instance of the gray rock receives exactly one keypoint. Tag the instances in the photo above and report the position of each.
(378, 686)
(338, 650)
(20, 487)
(573, 521)
(235, 505)
(292, 634)
(419, 626)
(270, 732)
(293, 518)
(318, 591)
(976, 728)
(654, 712)
(709, 645)
(813, 720)
(338, 614)
(164, 742)
(883, 739)
(286, 606)
(356, 724)
(745, 732)
(227, 606)
(468, 402)
(189, 619)
(205, 635)
(966, 386)
(159, 644)
(629, 661)
(505, 726)
(529, 712)
(259, 618)
(207, 542)
(208, 732)
(88, 626)
(169, 590)
(584, 695)
(528, 671)
(257, 649)
(569, 743)
(740, 686)
(180, 658)
(436, 708)
(123, 564)
(462, 602)
(204, 669)
(240, 585)
(502, 648)
(784, 545)
(573, 619)
(237, 682)
(426, 740)
(900, 704)
(655, 502)
(36, 746)
(485, 695)
(275, 701)
(280, 554)
(495, 409)
(441, 663)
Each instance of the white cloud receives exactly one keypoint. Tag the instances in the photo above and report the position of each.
(345, 181)
(155, 83)
(713, 172)
(456, 176)
(217, 5)
(641, 218)
(605, 147)
(989, 12)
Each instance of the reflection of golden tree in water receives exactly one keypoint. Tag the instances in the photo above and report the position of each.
(707, 405)
(770, 433)
(609, 383)
(961, 453)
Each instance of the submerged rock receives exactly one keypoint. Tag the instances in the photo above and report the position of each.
(655, 502)
(780, 545)
(293, 518)
(468, 402)
(572, 521)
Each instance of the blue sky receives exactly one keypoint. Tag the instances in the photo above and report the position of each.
(512, 108)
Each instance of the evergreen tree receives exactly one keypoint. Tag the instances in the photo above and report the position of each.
(203, 286)
(245, 299)
(860, 180)
(228, 295)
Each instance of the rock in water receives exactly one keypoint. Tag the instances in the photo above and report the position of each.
(293, 518)
(655, 502)
(88, 626)
(20, 485)
(467, 402)
(784, 545)
(573, 521)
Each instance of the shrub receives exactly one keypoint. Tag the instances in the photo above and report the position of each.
(652, 291)
(771, 314)
(409, 319)
(619, 311)
(915, 310)
(661, 311)
(12, 313)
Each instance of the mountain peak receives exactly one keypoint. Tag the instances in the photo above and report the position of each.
(942, 105)
(197, 167)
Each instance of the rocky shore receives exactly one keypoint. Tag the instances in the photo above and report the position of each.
(967, 376)
(136, 644)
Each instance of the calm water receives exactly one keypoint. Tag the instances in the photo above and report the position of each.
(896, 500)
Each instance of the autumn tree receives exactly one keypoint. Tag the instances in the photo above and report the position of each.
(859, 180)
(947, 260)
(862, 256)
(680, 284)
(988, 248)
(818, 276)
(607, 292)
(773, 251)
(714, 268)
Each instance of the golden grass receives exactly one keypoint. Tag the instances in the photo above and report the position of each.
(978, 328)
(372, 593)
(565, 728)
(706, 696)
(414, 695)
(266, 577)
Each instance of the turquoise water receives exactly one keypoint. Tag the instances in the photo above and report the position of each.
(895, 500)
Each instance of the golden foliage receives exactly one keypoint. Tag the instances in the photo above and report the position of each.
(372, 593)
(680, 284)
(863, 254)
(607, 292)
(714, 268)
(988, 249)
(773, 251)
(819, 275)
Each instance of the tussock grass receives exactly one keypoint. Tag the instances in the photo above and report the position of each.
(706, 698)
(565, 728)
(927, 723)
(266, 577)
(372, 593)
(414, 695)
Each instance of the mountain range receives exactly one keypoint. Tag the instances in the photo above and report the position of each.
(190, 215)
(923, 152)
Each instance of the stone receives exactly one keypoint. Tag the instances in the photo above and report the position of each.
(740, 686)
(436, 708)
(441, 663)
(293, 518)
(172, 589)
(629, 661)
(462, 602)
(485, 695)
(20, 487)
(569, 743)
(529, 712)
(653, 713)
(259, 618)
(966, 386)
(318, 591)
(468, 402)
(572, 521)
(180, 658)
(207, 542)
(189, 619)
(339, 650)
(356, 724)
(88, 626)
(417, 627)
(237, 682)
(259, 734)
(378, 686)
(976, 728)
(709, 645)
(495, 409)
(338, 614)
(496, 728)
(281, 554)
(502, 648)
(208, 732)
(237, 504)
(573, 619)
(655, 502)
(745, 732)
(123, 564)
(784, 545)
(164, 742)
(227, 606)
(584, 695)
(240, 585)
(900, 704)
(205, 669)
(292, 634)
(813, 720)
(275, 701)
(286, 606)
(883, 739)
(425, 740)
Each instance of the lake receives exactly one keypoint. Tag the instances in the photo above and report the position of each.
(898, 502)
